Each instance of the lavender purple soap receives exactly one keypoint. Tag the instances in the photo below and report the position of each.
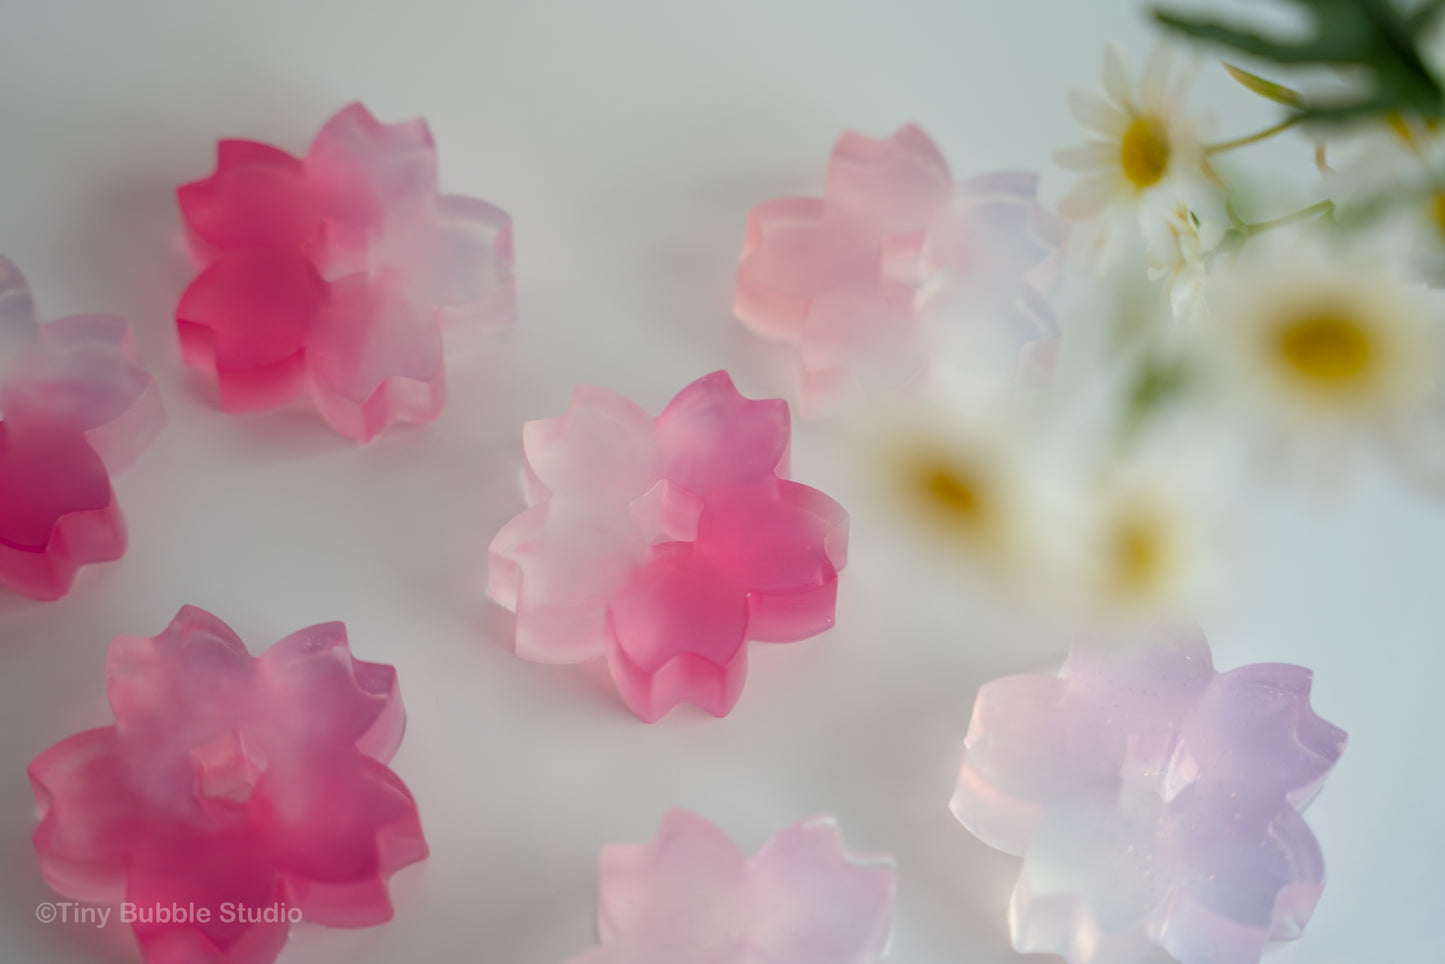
(1154, 801)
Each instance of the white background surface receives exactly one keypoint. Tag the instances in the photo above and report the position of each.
(627, 140)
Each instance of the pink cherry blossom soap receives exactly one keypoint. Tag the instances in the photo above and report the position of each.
(663, 544)
(1154, 802)
(898, 267)
(234, 795)
(333, 276)
(75, 406)
(691, 896)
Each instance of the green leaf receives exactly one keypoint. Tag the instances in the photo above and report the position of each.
(1158, 383)
(1267, 89)
(1376, 37)
(1423, 18)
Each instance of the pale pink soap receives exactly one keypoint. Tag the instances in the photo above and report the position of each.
(233, 785)
(75, 406)
(663, 544)
(898, 265)
(1153, 800)
(334, 276)
(690, 895)
(989, 267)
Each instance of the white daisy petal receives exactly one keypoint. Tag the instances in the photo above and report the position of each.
(1116, 75)
(1182, 74)
(1095, 113)
(1381, 159)
(1087, 156)
(1154, 79)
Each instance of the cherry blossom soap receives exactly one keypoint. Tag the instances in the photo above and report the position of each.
(334, 276)
(898, 268)
(691, 896)
(233, 796)
(75, 406)
(1154, 802)
(663, 544)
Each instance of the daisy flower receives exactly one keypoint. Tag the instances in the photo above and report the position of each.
(1411, 213)
(1427, 249)
(1141, 143)
(967, 483)
(1408, 227)
(1145, 538)
(1379, 156)
(1324, 340)
(1393, 170)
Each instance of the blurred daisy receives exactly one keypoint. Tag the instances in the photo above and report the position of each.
(964, 482)
(1141, 143)
(1390, 175)
(1146, 540)
(1422, 216)
(1380, 156)
(1322, 339)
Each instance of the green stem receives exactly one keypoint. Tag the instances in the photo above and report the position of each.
(1314, 210)
(1220, 147)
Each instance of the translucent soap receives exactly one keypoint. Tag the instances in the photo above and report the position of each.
(234, 795)
(691, 895)
(1153, 800)
(899, 269)
(335, 275)
(663, 544)
(76, 405)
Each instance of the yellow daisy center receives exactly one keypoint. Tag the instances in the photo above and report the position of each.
(1144, 152)
(1327, 349)
(1137, 553)
(951, 494)
(1437, 211)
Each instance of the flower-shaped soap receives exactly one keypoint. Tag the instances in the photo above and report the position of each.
(234, 795)
(334, 275)
(75, 406)
(664, 544)
(1154, 801)
(898, 267)
(691, 896)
